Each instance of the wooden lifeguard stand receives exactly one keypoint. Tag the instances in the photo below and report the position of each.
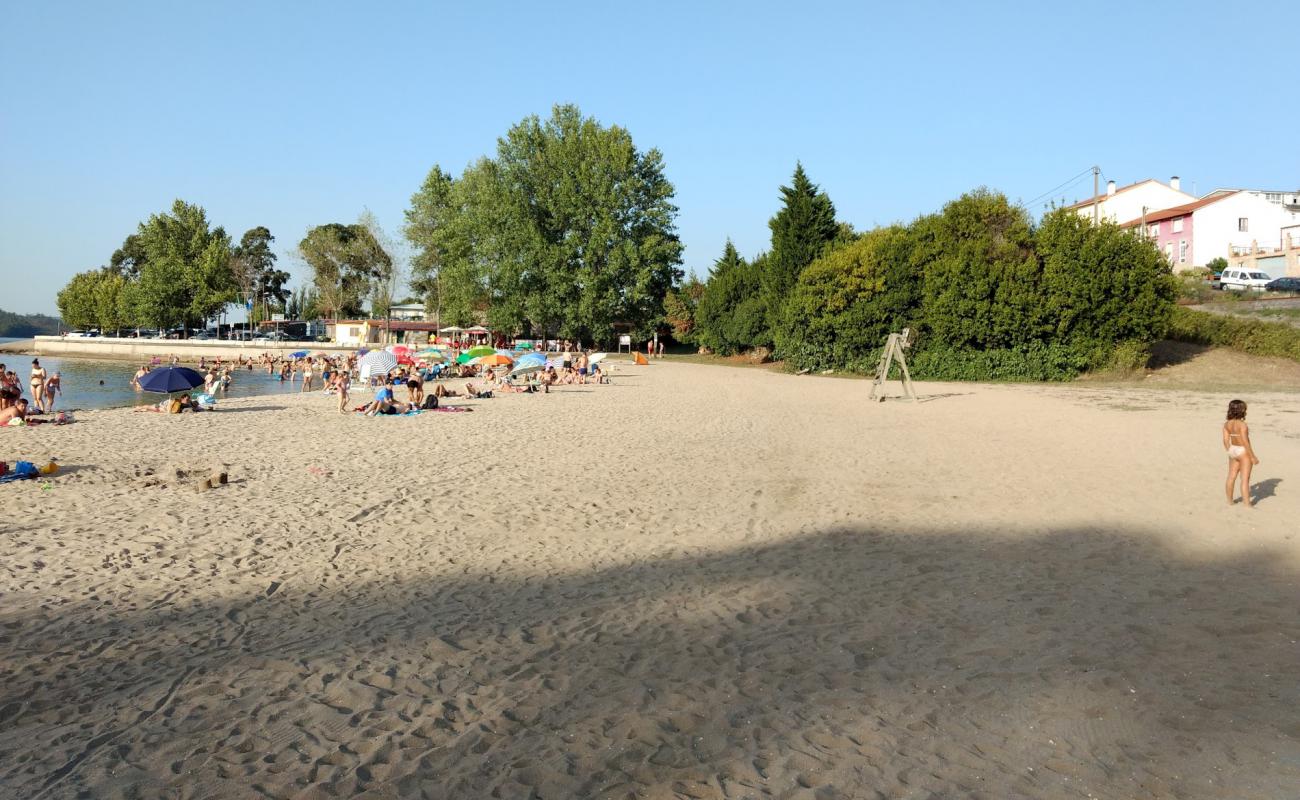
(894, 347)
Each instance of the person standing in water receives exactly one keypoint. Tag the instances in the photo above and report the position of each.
(53, 386)
(1241, 455)
(38, 379)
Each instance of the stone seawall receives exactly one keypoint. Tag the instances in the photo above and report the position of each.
(188, 349)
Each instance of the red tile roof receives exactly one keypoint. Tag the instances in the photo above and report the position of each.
(1179, 211)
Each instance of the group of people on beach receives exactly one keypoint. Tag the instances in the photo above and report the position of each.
(44, 389)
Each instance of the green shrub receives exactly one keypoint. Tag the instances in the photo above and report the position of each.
(1035, 361)
(1101, 283)
(847, 302)
(982, 279)
(1218, 264)
(1194, 287)
(1247, 335)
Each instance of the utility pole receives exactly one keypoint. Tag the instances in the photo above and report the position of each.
(1096, 187)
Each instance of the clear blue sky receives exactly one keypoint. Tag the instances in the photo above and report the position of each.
(292, 115)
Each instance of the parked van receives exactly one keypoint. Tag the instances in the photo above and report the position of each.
(1241, 280)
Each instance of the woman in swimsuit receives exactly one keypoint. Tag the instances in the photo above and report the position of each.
(38, 386)
(306, 375)
(1241, 456)
(53, 386)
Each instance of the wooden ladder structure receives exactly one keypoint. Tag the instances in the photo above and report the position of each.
(894, 347)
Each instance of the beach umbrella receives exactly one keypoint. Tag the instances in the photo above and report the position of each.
(481, 350)
(596, 358)
(464, 358)
(298, 354)
(432, 355)
(378, 362)
(531, 359)
(494, 360)
(361, 351)
(171, 379)
(527, 369)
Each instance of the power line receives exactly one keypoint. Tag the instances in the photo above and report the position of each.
(1064, 185)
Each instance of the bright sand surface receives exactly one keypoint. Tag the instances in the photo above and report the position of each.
(697, 582)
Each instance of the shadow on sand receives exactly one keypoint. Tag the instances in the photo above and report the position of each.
(843, 663)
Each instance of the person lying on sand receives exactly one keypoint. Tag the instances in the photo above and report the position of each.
(16, 411)
(440, 390)
(173, 405)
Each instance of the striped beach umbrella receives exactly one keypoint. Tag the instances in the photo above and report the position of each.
(377, 362)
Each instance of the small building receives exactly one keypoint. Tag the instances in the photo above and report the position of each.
(408, 312)
(1224, 223)
(1127, 202)
(379, 332)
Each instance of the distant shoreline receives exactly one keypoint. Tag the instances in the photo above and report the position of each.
(136, 349)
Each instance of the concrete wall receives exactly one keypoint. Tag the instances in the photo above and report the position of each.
(145, 349)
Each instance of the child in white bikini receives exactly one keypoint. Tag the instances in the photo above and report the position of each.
(1241, 456)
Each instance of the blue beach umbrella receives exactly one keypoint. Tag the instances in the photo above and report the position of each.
(531, 359)
(171, 379)
(298, 354)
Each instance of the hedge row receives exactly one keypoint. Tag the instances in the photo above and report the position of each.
(1247, 335)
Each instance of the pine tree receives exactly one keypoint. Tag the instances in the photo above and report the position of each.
(801, 230)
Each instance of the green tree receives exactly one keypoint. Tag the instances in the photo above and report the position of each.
(801, 231)
(253, 265)
(680, 306)
(848, 301)
(982, 278)
(346, 261)
(567, 231)
(1102, 285)
(731, 316)
(112, 312)
(180, 265)
(76, 300)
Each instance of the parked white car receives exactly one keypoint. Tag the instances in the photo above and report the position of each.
(1240, 280)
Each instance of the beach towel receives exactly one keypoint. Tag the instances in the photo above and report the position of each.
(452, 409)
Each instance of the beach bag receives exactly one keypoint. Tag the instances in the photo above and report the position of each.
(174, 407)
(430, 402)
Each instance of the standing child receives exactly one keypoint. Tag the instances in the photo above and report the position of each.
(1241, 456)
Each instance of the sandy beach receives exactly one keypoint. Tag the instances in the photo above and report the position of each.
(698, 582)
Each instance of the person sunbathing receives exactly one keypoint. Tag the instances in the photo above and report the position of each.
(16, 411)
(440, 390)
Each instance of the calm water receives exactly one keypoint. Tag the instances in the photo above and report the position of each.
(81, 381)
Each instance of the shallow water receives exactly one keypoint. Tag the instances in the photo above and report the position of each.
(89, 383)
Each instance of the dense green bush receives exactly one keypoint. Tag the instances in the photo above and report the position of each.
(1101, 284)
(1035, 361)
(846, 302)
(982, 280)
(991, 296)
(1247, 335)
(731, 315)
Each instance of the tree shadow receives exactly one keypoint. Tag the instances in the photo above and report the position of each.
(238, 409)
(843, 663)
(1167, 353)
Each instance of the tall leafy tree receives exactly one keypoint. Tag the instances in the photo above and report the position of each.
(181, 265)
(732, 315)
(253, 265)
(76, 300)
(801, 231)
(346, 261)
(569, 230)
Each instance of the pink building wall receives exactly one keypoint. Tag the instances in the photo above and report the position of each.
(1167, 236)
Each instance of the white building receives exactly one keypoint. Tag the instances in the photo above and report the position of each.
(1126, 202)
(1224, 223)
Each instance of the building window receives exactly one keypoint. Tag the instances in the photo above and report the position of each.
(1243, 224)
(1273, 197)
(1153, 230)
(1182, 251)
(1178, 225)
(1169, 252)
